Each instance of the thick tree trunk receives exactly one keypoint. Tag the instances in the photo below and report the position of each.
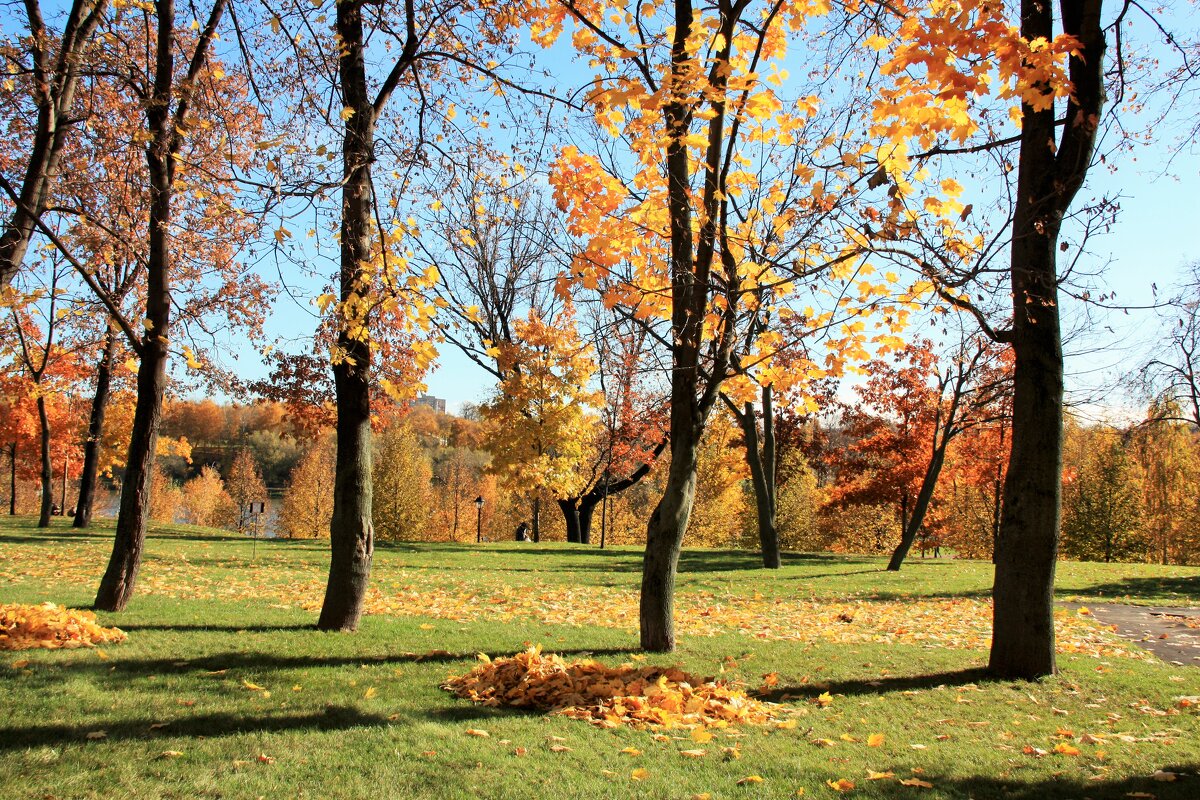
(91, 448)
(1047, 180)
(570, 509)
(664, 540)
(351, 536)
(587, 511)
(920, 507)
(47, 473)
(55, 96)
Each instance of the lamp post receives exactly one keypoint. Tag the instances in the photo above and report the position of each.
(478, 519)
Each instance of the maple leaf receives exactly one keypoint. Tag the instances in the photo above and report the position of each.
(1066, 749)
(482, 734)
(639, 774)
(842, 785)
(750, 779)
(693, 753)
(916, 782)
(879, 776)
(875, 740)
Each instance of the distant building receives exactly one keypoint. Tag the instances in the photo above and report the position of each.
(436, 403)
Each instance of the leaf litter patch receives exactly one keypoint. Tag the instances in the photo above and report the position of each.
(50, 626)
(608, 697)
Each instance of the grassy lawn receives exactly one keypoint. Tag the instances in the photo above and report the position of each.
(223, 668)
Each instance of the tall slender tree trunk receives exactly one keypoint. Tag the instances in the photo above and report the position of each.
(164, 127)
(1047, 181)
(47, 474)
(920, 508)
(91, 447)
(664, 540)
(760, 456)
(536, 519)
(12, 479)
(351, 535)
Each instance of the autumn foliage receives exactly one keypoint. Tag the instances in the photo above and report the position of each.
(50, 626)
(641, 697)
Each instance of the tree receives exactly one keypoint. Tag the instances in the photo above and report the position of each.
(1058, 80)
(1103, 509)
(205, 502)
(798, 505)
(402, 475)
(1166, 453)
(245, 486)
(55, 77)
(308, 499)
(539, 422)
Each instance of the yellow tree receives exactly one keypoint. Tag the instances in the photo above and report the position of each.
(698, 230)
(308, 499)
(541, 423)
(401, 511)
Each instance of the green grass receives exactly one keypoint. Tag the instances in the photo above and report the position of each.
(208, 618)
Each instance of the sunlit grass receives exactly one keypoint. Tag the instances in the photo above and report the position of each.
(361, 715)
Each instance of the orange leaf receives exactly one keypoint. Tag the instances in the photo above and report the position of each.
(639, 774)
(916, 782)
(840, 785)
(875, 740)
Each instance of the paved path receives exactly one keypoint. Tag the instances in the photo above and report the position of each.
(1172, 634)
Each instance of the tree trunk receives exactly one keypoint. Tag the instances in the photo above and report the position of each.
(91, 448)
(55, 96)
(570, 509)
(1047, 181)
(351, 536)
(47, 474)
(12, 479)
(536, 519)
(120, 579)
(664, 540)
(587, 511)
(761, 460)
(920, 507)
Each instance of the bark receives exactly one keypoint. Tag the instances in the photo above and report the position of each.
(1047, 181)
(536, 518)
(581, 510)
(664, 539)
(924, 496)
(47, 473)
(120, 578)
(760, 456)
(351, 535)
(55, 86)
(91, 448)
(12, 479)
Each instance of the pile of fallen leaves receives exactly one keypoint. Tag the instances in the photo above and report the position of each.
(642, 697)
(51, 626)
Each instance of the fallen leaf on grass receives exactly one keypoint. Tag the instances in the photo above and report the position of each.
(631, 751)
(916, 782)
(156, 726)
(371, 692)
(521, 751)
(824, 699)
(559, 748)
(263, 758)
(1063, 748)
(840, 785)
(477, 732)
(170, 754)
(254, 687)
(879, 776)
(639, 774)
(750, 779)
(1162, 776)
(48, 626)
(876, 740)
(693, 753)
(700, 736)
(97, 735)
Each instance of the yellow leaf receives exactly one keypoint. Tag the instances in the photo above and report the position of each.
(254, 687)
(916, 782)
(170, 754)
(879, 776)
(559, 748)
(425, 626)
(631, 751)
(875, 740)
(824, 699)
(693, 753)
(639, 774)
(477, 732)
(1066, 749)
(371, 692)
(700, 736)
(840, 785)
(347, 113)
(750, 779)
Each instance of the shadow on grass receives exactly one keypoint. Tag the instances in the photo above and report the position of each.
(206, 725)
(201, 627)
(1187, 787)
(1177, 589)
(880, 686)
